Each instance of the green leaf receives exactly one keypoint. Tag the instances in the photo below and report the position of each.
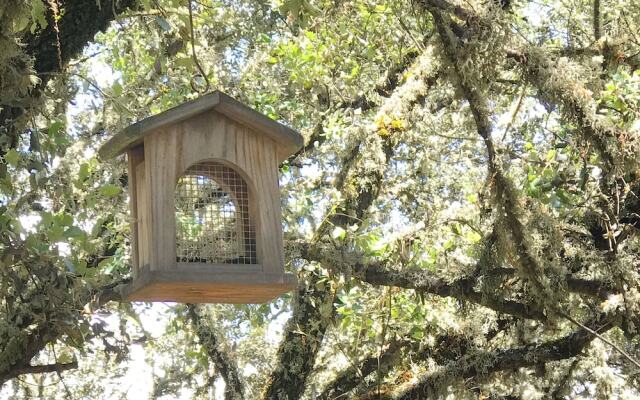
(449, 244)
(110, 190)
(73, 232)
(456, 228)
(12, 157)
(473, 236)
(55, 128)
(117, 89)
(417, 333)
(551, 154)
(106, 265)
(66, 219)
(84, 172)
(38, 15)
(56, 233)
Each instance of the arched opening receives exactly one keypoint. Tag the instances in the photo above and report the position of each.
(214, 222)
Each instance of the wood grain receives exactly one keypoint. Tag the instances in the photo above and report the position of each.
(208, 287)
(156, 167)
(288, 140)
(135, 157)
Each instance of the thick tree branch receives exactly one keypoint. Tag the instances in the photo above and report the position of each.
(312, 313)
(420, 280)
(77, 26)
(353, 376)
(506, 203)
(379, 273)
(484, 363)
(444, 349)
(42, 369)
(364, 166)
(576, 105)
(596, 20)
(211, 341)
(18, 351)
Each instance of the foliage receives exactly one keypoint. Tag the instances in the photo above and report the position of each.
(467, 196)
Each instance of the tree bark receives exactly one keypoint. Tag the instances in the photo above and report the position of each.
(225, 365)
(484, 363)
(77, 26)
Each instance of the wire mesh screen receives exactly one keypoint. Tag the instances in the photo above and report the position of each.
(213, 219)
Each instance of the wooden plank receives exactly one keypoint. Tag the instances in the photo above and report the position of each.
(162, 154)
(142, 201)
(135, 157)
(134, 134)
(270, 207)
(288, 139)
(213, 287)
(207, 268)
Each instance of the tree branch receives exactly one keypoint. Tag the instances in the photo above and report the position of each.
(362, 102)
(19, 350)
(484, 363)
(76, 27)
(312, 313)
(360, 184)
(596, 20)
(225, 365)
(42, 369)
(420, 280)
(353, 376)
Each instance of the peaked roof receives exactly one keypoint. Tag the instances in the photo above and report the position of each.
(289, 140)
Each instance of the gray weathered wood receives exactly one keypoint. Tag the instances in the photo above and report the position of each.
(136, 158)
(164, 148)
(288, 140)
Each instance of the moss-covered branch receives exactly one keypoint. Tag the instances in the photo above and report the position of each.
(43, 369)
(382, 273)
(420, 280)
(359, 182)
(75, 27)
(483, 363)
(312, 313)
(29, 337)
(212, 342)
(352, 377)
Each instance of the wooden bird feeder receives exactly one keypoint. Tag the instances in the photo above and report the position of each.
(205, 203)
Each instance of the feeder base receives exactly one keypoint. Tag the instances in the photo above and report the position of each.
(208, 287)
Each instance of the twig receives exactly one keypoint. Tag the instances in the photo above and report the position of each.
(94, 85)
(596, 334)
(596, 19)
(195, 57)
(515, 112)
(64, 384)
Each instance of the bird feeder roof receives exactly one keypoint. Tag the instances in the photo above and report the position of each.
(287, 139)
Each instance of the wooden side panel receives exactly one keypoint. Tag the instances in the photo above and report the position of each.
(143, 217)
(135, 157)
(261, 162)
(162, 150)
